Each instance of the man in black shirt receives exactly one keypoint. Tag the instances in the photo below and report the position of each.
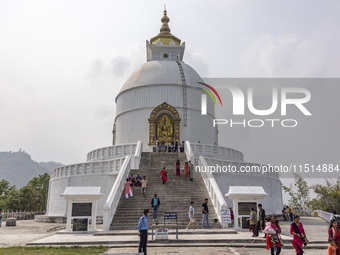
(260, 222)
(205, 213)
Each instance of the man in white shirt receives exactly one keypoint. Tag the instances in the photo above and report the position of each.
(191, 216)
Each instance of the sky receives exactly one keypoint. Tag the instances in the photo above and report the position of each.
(62, 63)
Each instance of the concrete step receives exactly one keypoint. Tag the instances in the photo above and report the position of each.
(175, 195)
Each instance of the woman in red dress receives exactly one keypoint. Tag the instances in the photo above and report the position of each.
(334, 232)
(178, 165)
(163, 174)
(299, 235)
(186, 169)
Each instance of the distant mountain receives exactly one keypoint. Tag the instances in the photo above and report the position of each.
(18, 167)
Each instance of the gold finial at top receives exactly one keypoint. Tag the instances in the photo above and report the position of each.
(165, 37)
(165, 20)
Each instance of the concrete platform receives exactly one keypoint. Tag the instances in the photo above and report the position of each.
(33, 233)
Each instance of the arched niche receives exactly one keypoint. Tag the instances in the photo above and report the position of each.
(171, 114)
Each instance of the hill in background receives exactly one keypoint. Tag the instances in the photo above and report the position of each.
(18, 167)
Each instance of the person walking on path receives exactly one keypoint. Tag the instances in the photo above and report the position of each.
(205, 213)
(275, 248)
(1, 217)
(178, 168)
(163, 175)
(252, 220)
(143, 231)
(191, 171)
(334, 232)
(290, 210)
(260, 222)
(186, 169)
(231, 215)
(155, 202)
(191, 216)
(299, 235)
(145, 185)
(128, 190)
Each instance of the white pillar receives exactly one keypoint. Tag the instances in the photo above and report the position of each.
(223, 207)
(68, 216)
(94, 215)
(235, 207)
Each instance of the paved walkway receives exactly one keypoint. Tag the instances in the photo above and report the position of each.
(37, 233)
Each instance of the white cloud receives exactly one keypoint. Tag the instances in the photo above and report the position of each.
(281, 56)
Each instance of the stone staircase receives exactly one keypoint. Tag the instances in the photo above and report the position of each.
(175, 195)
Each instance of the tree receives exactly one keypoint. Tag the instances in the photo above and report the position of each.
(299, 196)
(29, 199)
(5, 191)
(32, 197)
(40, 184)
(328, 196)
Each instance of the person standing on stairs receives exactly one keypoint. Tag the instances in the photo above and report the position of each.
(128, 190)
(205, 213)
(191, 216)
(143, 231)
(178, 168)
(186, 170)
(155, 202)
(191, 171)
(145, 185)
(163, 175)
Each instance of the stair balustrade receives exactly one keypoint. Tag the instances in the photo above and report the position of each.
(112, 201)
(214, 191)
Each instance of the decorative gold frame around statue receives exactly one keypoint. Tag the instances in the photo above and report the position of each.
(156, 113)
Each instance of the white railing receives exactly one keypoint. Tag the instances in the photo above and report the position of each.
(325, 215)
(137, 155)
(89, 168)
(214, 191)
(216, 151)
(112, 152)
(112, 200)
(188, 151)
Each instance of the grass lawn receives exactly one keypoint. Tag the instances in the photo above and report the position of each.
(74, 250)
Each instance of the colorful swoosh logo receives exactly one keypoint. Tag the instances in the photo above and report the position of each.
(209, 93)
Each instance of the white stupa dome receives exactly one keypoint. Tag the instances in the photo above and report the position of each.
(158, 72)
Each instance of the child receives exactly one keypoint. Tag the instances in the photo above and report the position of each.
(138, 180)
(132, 180)
(128, 190)
(271, 232)
(332, 247)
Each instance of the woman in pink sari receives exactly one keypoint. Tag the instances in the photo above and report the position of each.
(299, 235)
(128, 190)
(163, 175)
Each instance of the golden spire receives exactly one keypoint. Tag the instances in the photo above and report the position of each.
(165, 28)
(165, 36)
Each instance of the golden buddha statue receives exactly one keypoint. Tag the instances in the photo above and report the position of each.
(165, 129)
